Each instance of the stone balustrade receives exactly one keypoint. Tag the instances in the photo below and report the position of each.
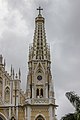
(39, 101)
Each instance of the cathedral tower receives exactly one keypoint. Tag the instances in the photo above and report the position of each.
(40, 102)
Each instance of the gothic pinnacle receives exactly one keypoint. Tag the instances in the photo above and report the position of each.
(19, 74)
(11, 70)
(13, 73)
(4, 63)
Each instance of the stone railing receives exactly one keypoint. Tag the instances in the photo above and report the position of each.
(40, 101)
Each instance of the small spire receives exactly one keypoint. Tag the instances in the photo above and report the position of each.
(13, 73)
(1, 59)
(19, 73)
(39, 10)
(4, 63)
(11, 70)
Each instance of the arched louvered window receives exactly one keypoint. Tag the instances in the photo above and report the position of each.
(7, 95)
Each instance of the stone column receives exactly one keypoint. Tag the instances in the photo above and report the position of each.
(9, 112)
(28, 113)
(3, 90)
(25, 114)
(32, 91)
(47, 90)
(51, 112)
(16, 113)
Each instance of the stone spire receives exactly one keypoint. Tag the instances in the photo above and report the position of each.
(40, 49)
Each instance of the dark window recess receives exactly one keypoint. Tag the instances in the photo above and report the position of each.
(37, 92)
(41, 92)
(1, 118)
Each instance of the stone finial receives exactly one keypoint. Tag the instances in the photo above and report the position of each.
(19, 73)
(13, 73)
(4, 63)
(11, 70)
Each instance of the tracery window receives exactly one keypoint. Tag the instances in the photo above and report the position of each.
(7, 95)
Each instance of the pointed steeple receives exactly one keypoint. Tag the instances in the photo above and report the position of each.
(39, 49)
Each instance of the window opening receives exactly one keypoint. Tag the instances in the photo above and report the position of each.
(41, 95)
(37, 92)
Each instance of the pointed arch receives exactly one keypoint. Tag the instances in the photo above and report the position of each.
(2, 117)
(39, 66)
(13, 118)
(7, 94)
(40, 117)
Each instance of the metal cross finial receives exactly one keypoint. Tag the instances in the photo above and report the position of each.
(39, 10)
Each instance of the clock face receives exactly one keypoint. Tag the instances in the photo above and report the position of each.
(39, 77)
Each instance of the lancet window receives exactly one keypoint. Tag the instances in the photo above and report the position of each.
(7, 95)
(39, 93)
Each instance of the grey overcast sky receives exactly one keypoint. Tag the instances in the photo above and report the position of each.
(63, 34)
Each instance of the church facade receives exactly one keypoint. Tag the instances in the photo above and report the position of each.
(38, 102)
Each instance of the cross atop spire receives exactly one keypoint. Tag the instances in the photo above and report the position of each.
(39, 10)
